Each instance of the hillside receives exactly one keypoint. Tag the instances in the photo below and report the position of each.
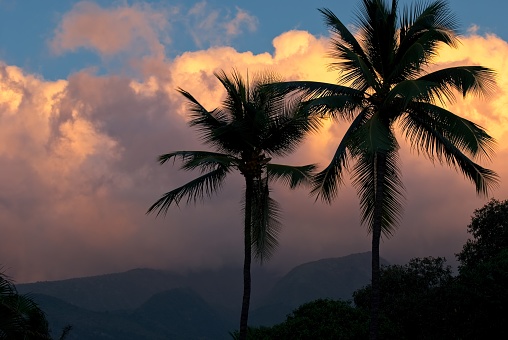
(156, 304)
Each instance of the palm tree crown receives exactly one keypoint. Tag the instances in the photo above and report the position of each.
(254, 124)
(384, 83)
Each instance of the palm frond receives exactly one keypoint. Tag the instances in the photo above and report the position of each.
(377, 30)
(266, 224)
(315, 89)
(326, 183)
(419, 18)
(376, 177)
(205, 121)
(203, 160)
(352, 68)
(352, 62)
(440, 86)
(475, 80)
(6, 285)
(342, 100)
(236, 93)
(373, 135)
(205, 185)
(336, 106)
(337, 27)
(284, 133)
(465, 135)
(422, 28)
(435, 143)
(20, 316)
(291, 176)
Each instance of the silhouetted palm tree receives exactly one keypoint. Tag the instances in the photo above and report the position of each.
(253, 124)
(20, 316)
(384, 82)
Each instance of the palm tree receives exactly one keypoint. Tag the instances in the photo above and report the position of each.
(253, 124)
(385, 83)
(20, 316)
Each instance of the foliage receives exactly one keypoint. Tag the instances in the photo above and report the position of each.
(480, 298)
(424, 301)
(411, 295)
(484, 274)
(319, 319)
(419, 300)
(489, 228)
(20, 316)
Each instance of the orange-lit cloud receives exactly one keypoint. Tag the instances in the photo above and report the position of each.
(79, 171)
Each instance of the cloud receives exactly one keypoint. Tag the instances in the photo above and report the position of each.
(242, 18)
(110, 31)
(213, 28)
(79, 171)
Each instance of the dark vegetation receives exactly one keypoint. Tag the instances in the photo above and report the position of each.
(422, 299)
(21, 317)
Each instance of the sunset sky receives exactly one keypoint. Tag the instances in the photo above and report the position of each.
(88, 102)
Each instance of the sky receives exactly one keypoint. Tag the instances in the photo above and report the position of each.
(88, 102)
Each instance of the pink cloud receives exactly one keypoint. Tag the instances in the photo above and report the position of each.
(242, 18)
(211, 26)
(111, 30)
(79, 170)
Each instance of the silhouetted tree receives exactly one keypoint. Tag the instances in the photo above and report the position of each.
(480, 291)
(412, 298)
(20, 317)
(489, 228)
(253, 124)
(384, 84)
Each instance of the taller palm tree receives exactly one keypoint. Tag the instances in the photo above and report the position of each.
(253, 124)
(385, 83)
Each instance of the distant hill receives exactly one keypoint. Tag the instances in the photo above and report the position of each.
(90, 324)
(333, 278)
(178, 314)
(182, 314)
(156, 304)
(118, 291)
(128, 290)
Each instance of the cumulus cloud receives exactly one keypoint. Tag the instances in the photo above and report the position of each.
(79, 171)
(109, 31)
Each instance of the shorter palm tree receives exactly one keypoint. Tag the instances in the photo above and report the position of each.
(254, 124)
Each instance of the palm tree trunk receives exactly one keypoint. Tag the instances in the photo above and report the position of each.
(380, 169)
(244, 317)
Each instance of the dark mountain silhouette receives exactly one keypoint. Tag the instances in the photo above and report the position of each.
(182, 314)
(91, 324)
(156, 304)
(222, 288)
(333, 278)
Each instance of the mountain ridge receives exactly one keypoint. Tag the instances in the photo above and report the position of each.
(151, 301)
